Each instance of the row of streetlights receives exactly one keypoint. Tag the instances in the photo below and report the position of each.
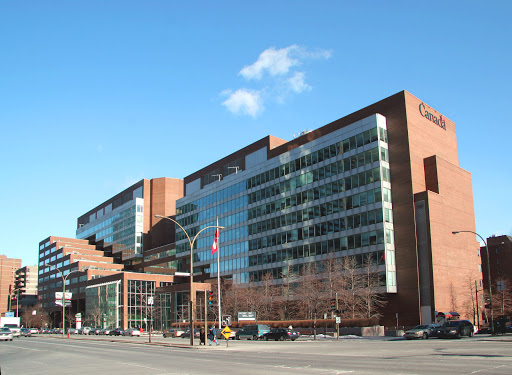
(192, 294)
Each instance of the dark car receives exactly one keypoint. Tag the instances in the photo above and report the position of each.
(116, 332)
(456, 329)
(25, 332)
(187, 334)
(281, 334)
(95, 331)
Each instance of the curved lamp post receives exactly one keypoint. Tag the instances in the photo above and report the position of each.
(488, 274)
(192, 294)
(64, 278)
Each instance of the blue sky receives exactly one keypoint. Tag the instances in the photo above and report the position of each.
(96, 95)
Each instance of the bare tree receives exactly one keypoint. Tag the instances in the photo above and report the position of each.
(270, 298)
(35, 316)
(310, 293)
(371, 296)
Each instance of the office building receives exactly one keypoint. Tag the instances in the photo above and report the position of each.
(125, 223)
(500, 262)
(8, 267)
(78, 261)
(26, 283)
(384, 181)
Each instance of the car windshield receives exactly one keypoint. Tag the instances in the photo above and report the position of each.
(452, 324)
(421, 327)
(5, 330)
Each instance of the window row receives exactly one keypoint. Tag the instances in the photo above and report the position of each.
(326, 153)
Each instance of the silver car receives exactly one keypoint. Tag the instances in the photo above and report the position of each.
(6, 334)
(421, 332)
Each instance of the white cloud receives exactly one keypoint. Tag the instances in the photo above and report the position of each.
(274, 61)
(244, 101)
(297, 83)
(276, 71)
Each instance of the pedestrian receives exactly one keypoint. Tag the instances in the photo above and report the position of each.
(214, 333)
(201, 336)
(210, 336)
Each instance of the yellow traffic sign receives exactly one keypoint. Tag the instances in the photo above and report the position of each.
(226, 332)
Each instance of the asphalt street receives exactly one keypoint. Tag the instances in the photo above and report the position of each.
(92, 355)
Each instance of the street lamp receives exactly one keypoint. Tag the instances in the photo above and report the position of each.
(63, 294)
(192, 294)
(488, 274)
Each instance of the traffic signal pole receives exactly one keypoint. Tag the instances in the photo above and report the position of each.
(337, 324)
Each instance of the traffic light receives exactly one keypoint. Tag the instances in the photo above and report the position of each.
(210, 299)
(333, 304)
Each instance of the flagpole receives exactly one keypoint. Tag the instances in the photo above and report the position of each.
(218, 277)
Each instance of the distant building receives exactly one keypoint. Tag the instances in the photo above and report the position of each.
(26, 283)
(125, 225)
(500, 261)
(383, 182)
(81, 260)
(8, 267)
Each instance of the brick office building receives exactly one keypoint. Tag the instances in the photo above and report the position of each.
(384, 181)
(8, 267)
(500, 261)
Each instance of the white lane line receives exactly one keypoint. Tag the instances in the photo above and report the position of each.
(21, 347)
(137, 365)
(487, 369)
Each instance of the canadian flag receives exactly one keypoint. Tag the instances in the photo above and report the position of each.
(215, 241)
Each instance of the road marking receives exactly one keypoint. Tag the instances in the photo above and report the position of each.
(137, 365)
(21, 347)
(486, 369)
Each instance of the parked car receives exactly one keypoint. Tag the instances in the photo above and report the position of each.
(131, 332)
(424, 331)
(104, 331)
(173, 333)
(84, 330)
(281, 334)
(95, 331)
(34, 330)
(456, 329)
(25, 332)
(73, 331)
(6, 334)
(116, 332)
(187, 333)
(252, 332)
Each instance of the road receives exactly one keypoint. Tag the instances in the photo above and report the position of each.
(84, 355)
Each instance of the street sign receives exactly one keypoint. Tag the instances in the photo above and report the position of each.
(226, 332)
(226, 320)
(246, 315)
(150, 301)
(67, 297)
(9, 314)
(338, 320)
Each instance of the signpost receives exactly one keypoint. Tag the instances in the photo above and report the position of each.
(226, 332)
(78, 320)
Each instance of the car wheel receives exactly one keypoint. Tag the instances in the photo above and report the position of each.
(281, 338)
(11, 339)
(425, 335)
(470, 334)
(255, 337)
(457, 336)
(266, 338)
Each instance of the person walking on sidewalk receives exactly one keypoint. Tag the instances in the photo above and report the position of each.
(201, 336)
